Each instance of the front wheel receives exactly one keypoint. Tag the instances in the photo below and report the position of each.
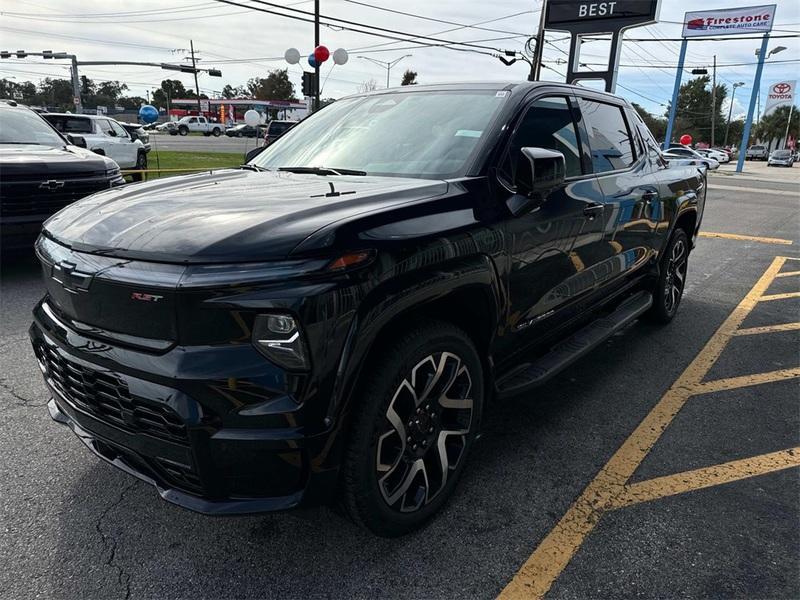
(415, 423)
(141, 165)
(671, 280)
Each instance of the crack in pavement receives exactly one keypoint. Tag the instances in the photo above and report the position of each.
(23, 401)
(123, 577)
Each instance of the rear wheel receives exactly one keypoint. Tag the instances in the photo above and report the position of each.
(671, 280)
(216, 132)
(416, 421)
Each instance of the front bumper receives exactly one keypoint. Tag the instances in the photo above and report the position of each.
(159, 433)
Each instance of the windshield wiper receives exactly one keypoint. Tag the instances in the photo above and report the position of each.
(322, 171)
(252, 167)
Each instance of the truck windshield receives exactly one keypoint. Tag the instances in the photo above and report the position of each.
(406, 134)
(26, 127)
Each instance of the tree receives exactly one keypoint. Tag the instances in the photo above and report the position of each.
(229, 91)
(275, 86)
(111, 89)
(367, 86)
(656, 125)
(88, 87)
(170, 88)
(56, 93)
(409, 77)
(131, 102)
(694, 111)
(772, 127)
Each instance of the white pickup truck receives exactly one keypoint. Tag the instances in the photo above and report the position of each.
(187, 125)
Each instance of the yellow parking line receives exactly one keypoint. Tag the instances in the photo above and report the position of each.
(788, 274)
(550, 558)
(745, 238)
(688, 481)
(732, 383)
(768, 329)
(769, 297)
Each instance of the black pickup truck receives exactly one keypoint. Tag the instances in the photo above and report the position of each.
(329, 321)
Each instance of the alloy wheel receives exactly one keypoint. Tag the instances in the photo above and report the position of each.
(676, 275)
(426, 432)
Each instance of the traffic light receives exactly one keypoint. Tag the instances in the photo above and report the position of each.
(699, 71)
(21, 54)
(309, 84)
(5, 54)
(187, 69)
(47, 54)
(215, 72)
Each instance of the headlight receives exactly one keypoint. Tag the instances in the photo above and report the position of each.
(115, 172)
(278, 337)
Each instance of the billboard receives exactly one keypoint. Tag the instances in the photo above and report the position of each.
(780, 93)
(624, 13)
(727, 21)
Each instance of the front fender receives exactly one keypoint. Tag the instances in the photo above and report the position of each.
(403, 296)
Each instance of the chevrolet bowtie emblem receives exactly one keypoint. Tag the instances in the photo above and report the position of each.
(51, 184)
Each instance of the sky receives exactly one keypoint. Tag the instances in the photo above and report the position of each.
(244, 43)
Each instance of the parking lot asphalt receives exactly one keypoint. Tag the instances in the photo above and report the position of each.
(662, 465)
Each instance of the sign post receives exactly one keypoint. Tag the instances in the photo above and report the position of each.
(673, 107)
(753, 95)
(581, 18)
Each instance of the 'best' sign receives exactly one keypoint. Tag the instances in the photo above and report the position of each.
(564, 12)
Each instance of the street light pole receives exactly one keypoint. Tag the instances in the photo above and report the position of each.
(386, 65)
(730, 111)
(713, 99)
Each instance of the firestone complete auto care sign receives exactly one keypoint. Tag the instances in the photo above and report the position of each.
(780, 94)
(751, 19)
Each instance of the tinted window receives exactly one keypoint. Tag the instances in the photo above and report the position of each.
(609, 137)
(118, 129)
(547, 124)
(105, 126)
(70, 124)
(277, 128)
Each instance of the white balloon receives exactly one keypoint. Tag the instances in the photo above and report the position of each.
(252, 118)
(292, 56)
(340, 56)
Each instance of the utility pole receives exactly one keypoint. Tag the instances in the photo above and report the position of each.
(316, 44)
(196, 85)
(713, 99)
(786, 135)
(536, 63)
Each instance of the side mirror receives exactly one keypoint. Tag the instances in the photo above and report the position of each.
(253, 153)
(539, 172)
(76, 140)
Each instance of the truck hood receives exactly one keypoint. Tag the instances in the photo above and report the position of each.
(35, 160)
(232, 215)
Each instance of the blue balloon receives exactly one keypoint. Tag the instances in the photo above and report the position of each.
(148, 113)
(312, 60)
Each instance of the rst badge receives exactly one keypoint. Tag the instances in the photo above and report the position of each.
(144, 297)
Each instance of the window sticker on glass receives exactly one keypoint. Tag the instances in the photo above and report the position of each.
(502, 94)
(468, 133)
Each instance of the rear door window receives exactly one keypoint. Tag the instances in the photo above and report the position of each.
(71, 124)
(609, 136)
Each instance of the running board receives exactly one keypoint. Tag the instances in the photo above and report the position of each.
(562, 355)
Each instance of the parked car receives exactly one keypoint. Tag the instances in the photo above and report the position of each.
(243, 130)
(780, 158)
(41, 172)
(137, 132)
(188, 125)
(688, 153)
(756, 153)
(104, 136)
(276, 129)
(170, 127)
(330, 320)
(718, 155)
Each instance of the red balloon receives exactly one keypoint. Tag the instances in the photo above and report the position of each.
(686, 139)
(321, 53)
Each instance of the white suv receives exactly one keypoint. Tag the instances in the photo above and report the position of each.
(103, 135)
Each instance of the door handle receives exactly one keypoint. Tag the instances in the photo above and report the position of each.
(649, 196)
(592, 210)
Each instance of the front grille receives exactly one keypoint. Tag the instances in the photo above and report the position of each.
(107, 398)
(24, 198)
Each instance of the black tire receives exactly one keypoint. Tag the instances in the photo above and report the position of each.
(430, 359)
(183, 130)
(238, 134)
(668, 290)
(216, 132)
(141, 165)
